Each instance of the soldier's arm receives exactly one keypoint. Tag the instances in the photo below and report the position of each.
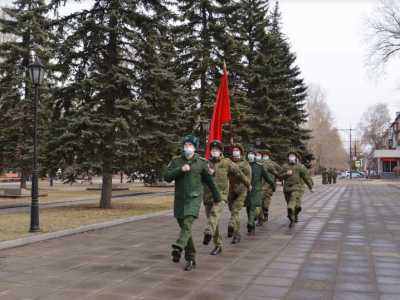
(306, 177)
(173, 171)
(283, 174)
(208, 180)
(268, 178)
(235, 171)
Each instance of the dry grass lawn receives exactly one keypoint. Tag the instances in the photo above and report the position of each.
(16, 225)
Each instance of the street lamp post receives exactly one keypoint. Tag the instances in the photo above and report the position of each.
(36, 72)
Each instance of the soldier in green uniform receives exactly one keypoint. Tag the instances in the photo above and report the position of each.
(237, 192)
(253, 199)
(274, 170)
(295, 176)
(221, 169)
(324, 176)
(190, 172)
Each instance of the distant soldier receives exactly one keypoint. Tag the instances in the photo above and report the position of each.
(237, 192)
(253, 199)
(334, 175)
(294, 176)
(273, 169)
(324, 176)
(329, 175)
(221, 169)
(190, 172)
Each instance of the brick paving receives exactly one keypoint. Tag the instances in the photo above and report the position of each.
(346, 246)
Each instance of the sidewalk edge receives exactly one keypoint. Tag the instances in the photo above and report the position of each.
(85, 228)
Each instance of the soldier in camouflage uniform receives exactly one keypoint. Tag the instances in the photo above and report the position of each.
(237, 192)
(295, 176)
(329, 175)
(221, 169)
(253, 199)
(324, 176)
(190, 172)
(274, 170)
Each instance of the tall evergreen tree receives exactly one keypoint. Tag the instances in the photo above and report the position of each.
(119, 97)
(26, 22)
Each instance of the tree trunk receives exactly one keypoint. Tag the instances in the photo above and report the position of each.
(24, 175)
(122, 177)
(51, 180)
(106, 190)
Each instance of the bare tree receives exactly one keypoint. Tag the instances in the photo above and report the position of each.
(374, 124)
(325, 140)
(384, 32)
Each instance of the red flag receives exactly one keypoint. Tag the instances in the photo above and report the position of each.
(222, 112)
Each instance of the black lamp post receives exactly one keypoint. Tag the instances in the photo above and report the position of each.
(36, 72)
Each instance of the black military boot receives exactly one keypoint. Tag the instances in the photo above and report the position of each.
(190, 265)
(290, 217)
(265, 214)
(249, 228)
(236, 240)
(296, 214)
(207, 238)
(217, 250)
(176, 254)
(230, 231)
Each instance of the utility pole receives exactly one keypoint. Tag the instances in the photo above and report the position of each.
(350, 150)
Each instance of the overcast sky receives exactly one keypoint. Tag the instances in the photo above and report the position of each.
(328, 37)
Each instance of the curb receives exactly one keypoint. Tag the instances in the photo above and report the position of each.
(85, 228)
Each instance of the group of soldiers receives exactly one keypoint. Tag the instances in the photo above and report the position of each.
(329, 176)
(247, 179)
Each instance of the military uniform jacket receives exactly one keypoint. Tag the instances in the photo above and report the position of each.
(258, 173)
(189, 185)
(224, 169)
(298, 178)
(274, 170)
(235, 185)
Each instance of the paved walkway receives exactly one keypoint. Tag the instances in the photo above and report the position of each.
(346, 246)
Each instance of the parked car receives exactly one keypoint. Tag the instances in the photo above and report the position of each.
(355, 174)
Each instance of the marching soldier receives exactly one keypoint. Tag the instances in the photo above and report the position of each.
(190, 172)
(295, 176)
(237, 192)
(334, 175)
(253, 199)
(274, 170)
(221, 169)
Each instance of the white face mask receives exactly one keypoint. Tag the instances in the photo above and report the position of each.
(292, 158)
(265, 157)
(236, 154)
(258, 157)
(251, 157)
(215, 153)
(188, 151)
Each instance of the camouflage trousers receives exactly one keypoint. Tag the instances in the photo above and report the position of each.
(265, 202)
(235, 203)
(293, 199)
(213, 213)
(185, 241)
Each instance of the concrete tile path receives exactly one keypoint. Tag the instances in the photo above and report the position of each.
(346, 246)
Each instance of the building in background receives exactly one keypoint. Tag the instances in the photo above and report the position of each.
(386, 161)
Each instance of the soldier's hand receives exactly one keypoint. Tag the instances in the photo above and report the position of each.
(289, 172)
(211, 171)
(186, 168)
(249, 188)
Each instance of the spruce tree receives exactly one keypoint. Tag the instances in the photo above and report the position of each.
(119, 98)
(26, 25)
